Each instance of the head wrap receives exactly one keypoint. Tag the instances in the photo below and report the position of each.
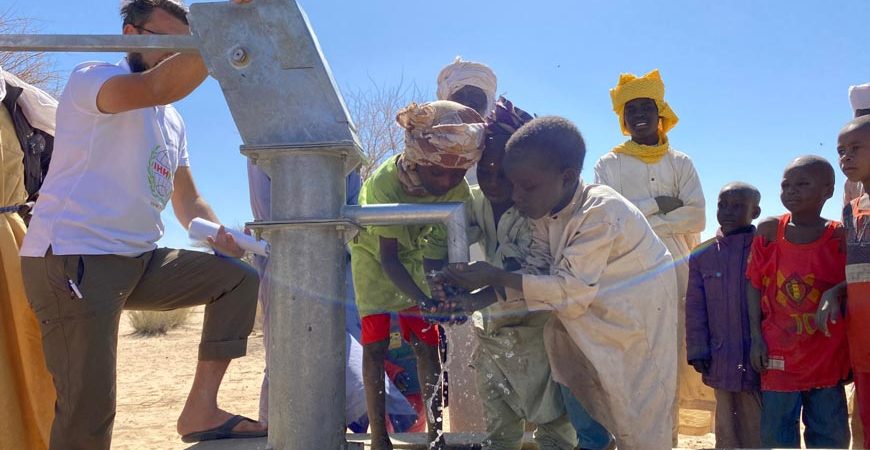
(459, 74)
(859, 96)
(440, 133)
(506, 119)
(38, 107)
(631, 87)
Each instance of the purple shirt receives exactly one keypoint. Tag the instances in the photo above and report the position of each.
(717, 322)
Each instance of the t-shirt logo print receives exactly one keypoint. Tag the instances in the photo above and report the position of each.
(160, 176)
(797, 289)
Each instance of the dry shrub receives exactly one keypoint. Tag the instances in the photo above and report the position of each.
(36, 68)
(373, 111)
(156, 323)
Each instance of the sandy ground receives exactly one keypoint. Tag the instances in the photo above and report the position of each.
(154, 375)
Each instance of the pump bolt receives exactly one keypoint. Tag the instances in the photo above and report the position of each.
(239, 57)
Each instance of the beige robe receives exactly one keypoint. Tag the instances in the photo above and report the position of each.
(641, 183)
(610, 281)
(26, 389)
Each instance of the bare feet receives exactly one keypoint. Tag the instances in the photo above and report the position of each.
(193, 421)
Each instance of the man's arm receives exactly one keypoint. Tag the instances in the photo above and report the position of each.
(188, 205)
(170, 81)
(648, 206)
(689, 217)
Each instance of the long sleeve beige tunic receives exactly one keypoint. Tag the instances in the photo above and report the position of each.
(600, 267)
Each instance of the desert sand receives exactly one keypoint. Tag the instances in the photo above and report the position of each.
(154, 375)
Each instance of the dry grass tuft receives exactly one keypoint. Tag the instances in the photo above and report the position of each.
(157, 323)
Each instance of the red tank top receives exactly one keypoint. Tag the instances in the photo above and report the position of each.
(792, 278)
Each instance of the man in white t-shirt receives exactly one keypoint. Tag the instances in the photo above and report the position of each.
(120, 156)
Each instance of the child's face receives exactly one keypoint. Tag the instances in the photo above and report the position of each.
(736, 209)
(439, 180)
(538, 187)
(490, 173)
(853, 148)
(642, 119)
(472, 97)
(803, 190)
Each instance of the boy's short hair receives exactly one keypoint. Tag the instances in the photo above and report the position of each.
(555, 140)
(818, 165)
(137, 12)
(744, 187)
(857, 123)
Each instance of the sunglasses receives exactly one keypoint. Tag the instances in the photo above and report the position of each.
(146, 30)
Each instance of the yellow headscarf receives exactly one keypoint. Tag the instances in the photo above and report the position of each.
(632, 87)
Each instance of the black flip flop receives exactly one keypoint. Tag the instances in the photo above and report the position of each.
(224, 431)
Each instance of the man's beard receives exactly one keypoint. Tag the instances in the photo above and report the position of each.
(137, 62)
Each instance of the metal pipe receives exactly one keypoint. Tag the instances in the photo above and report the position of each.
(307, 295)
(451, 215)
(97, 43)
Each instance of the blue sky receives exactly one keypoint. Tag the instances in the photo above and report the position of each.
(755, 84)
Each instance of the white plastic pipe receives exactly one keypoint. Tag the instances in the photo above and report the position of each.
(200, 229)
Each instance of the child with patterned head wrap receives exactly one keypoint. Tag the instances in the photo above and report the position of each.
(442, 140)
(468, 83)
(664, 185)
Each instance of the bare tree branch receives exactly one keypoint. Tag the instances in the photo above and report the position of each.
(34, 68)
(374, 111)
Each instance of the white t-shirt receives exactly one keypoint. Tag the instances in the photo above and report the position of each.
(110, 175)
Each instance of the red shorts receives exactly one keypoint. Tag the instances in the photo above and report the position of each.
(376, 327)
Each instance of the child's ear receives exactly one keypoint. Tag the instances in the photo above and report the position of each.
(829, 192)
(756, 212)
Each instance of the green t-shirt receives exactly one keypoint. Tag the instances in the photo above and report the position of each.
(375, 293)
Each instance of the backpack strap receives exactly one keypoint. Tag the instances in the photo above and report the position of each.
(36, 144)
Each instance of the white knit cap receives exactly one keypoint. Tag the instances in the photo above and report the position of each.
(859, 96)
(461, 73)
